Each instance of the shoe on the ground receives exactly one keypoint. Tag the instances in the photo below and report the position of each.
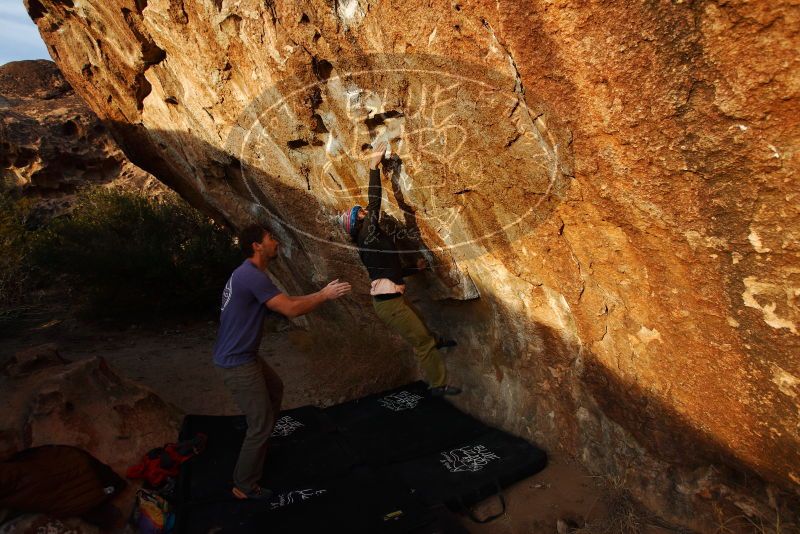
(441, 391)
(443, 343)
(256, 494)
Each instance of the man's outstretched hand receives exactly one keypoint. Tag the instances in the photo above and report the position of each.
(335, 289)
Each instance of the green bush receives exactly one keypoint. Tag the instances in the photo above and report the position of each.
(15, 246)
(126, 256)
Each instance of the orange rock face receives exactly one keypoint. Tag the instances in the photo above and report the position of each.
(608, 195)
(52, 143)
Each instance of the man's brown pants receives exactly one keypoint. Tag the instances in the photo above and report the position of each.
(258, 391)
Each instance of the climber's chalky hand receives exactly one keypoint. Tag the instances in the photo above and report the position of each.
(376, 155)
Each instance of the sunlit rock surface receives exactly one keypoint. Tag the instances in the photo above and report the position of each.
(607, 193)
(52, 144)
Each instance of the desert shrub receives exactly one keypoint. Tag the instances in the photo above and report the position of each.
(127, 256)
(15, 246)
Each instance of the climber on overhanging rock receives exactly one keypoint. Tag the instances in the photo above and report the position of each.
(379, 255)
(248, 297)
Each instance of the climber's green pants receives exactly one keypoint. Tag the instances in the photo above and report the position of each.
(402, 318)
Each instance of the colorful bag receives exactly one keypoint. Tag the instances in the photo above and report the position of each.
(163, 463)
(152, 514)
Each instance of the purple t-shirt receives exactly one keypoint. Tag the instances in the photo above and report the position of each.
(242, 316)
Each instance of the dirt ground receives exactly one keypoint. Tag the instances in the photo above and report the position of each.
(175, 361)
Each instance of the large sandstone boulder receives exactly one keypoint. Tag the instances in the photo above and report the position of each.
(607, 192)
(53, 144)
(45, 400)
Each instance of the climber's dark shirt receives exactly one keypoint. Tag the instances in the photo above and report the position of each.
(377, 249)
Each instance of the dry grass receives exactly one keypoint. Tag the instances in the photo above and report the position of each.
(743, 524)
(623, 515)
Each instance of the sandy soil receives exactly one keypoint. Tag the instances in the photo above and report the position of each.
(175, 361)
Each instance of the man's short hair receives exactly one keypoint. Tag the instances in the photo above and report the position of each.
(249, 235)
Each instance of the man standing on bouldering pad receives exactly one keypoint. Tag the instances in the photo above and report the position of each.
(379, 254)
(248, 297)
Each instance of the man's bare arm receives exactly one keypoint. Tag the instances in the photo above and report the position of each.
(293, 307)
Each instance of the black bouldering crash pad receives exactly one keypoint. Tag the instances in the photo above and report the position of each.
(464, 473)
(359, 503)
(401, 424)
(304, 449)
(382, 463)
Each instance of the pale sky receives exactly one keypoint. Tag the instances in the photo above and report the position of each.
(19, 38)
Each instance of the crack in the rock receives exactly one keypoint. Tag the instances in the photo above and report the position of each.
(335, 181)
(574, 258)
(305, 171)
(605, 333)
(519, 89)
(513, 109)
(513, 139)
(270, 5)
